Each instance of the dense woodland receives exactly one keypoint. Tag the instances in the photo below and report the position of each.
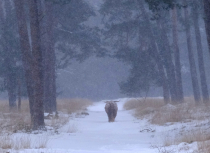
(39, 37)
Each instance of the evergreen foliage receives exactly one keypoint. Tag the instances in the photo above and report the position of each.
(126, 32)
(74, 38)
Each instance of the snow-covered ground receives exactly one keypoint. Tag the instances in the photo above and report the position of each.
(94, 134)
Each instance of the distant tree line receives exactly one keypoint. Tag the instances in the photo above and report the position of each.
(39, 36)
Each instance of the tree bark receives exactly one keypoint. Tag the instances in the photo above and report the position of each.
(204, 88)
(8, 63)
(19, 94)
(193, 71)
(11, 89)
(168, 61)
(26, 53)
(206, 4)
(46, 9)
(180, 94)
(51, 53)
(38, 122)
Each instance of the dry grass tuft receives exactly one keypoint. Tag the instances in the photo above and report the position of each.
(173, 113)
(23, 141)
(197, 135)
(13, 121)
(41, 141)
(204, 146)
(144, 107)
(15, 142)
(6, 142)
(143, 103)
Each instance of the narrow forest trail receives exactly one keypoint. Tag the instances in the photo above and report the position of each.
(96, 135)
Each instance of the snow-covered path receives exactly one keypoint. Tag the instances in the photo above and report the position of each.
(95, 134)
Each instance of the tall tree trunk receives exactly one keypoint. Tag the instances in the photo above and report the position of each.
(26, 53)
(49, 56)
(11, 88)
(166, 94)
(206, 4)
(19, 94)
(51, 53)
(168, 60)
(9, 63)
(193, 71)
(45, 61)
(180, 94)
(38, 108)
(204, 88)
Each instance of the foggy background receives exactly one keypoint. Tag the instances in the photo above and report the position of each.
(98, 78)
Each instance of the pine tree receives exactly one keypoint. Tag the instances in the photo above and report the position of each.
(193, 71)
(37, 67)
(195, 17)
(180, 95)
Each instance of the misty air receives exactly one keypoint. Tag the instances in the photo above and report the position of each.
(104, 76)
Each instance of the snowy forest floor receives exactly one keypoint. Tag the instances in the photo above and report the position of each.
(90, 132)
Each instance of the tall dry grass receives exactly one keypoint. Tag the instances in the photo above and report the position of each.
(143, 107)
(204, 146)
(70, 106)
(12, 121)
(188, 136)
(18, 142)
(141, 103)
(160, 113)
(23, 141)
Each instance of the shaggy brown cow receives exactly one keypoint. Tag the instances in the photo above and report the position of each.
(111, 110)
